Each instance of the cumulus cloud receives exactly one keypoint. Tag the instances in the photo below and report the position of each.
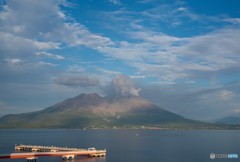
(75, 34)
(122, 85)
(30, 35)
(13, 45)
(81, 81)
(169, 58)
(41, 27)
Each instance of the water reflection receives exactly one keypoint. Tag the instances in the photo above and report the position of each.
(86, 159)
(128, 145)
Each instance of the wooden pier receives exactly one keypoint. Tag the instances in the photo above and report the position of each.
(37, 151)
(37, 148)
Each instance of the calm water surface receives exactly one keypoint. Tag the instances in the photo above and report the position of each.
(130, 145)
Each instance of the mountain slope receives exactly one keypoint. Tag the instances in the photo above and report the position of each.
(94, 111)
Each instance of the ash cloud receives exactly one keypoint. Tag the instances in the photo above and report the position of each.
(122, 85)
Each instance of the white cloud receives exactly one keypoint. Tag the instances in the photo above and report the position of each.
(180, 9)
(18, 28)
(11, 44)
(237, 111)
(137, 76)
(32, 21)
(226, 95)
(77, 35)
(27, 34)
(41, 63)
(13, 61)
(170, 58)
(43, 26)
(158, 39)
(232, 20)
(45, 45)
(172, 15)
(115, 2)
(217, 50)
(109, 72)
(47, 54)
(144, 1)
(75, 69)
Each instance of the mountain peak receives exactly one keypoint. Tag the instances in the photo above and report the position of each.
(92, 110)
(88, 96)
(81, 101)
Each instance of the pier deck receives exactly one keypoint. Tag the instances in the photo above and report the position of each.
(64, 152)
(37, 148)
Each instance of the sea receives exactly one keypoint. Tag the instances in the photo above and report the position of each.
(131, 145)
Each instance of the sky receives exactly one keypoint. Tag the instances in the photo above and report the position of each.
(181, 55)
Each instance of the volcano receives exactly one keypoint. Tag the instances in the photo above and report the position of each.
(95, 111)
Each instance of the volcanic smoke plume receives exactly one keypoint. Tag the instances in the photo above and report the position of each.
(124, 86)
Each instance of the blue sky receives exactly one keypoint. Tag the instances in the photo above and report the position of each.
(184, 55)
